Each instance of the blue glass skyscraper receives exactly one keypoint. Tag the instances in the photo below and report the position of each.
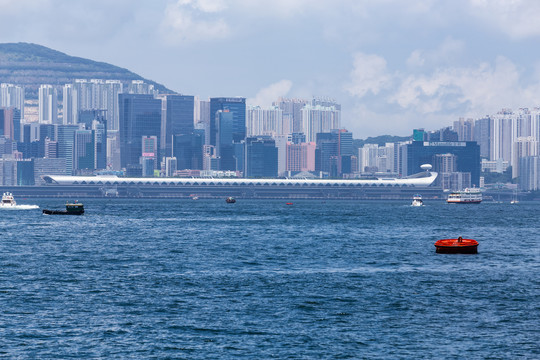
(261, 157)
(177, 119)
(237, 106)
(139, 115)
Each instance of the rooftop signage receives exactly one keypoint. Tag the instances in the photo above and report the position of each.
(445, 143)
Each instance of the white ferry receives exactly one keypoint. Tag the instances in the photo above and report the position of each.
(417, 200)
(467, 196)
(8, 200)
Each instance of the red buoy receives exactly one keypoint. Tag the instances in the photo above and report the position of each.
(288, 204)
(456, 246)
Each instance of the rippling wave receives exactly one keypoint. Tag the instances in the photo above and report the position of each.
(259, 279)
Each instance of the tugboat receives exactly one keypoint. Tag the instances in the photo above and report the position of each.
(417, 200)
(8, 200)
(230, 200)
(74, 208)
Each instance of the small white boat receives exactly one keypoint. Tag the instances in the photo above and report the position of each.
(417, 200)
(8, 200)
(514, 198)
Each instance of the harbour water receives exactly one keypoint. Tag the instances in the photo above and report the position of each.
(261, 279)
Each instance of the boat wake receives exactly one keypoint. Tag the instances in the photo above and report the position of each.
(19, 207)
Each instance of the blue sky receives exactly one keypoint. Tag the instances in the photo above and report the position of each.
(393, 65)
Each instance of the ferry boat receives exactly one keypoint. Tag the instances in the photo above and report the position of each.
(417, 200)
(467, 196)
(74, 208)
(8, 200)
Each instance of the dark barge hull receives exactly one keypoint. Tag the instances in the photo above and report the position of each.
(62, 212)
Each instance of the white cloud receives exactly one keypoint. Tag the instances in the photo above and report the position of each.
(208, 6)
(446, 52)
(369, 74)
(517, 18)
(271, 93)
(477, 90)
(445, 93)
(183, 21)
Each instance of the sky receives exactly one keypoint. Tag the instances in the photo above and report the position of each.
(394, 65)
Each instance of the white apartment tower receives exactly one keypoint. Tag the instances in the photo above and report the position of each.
(319, 119)
(12, 96)
(523, 147)
(48, 104)
(265, 121)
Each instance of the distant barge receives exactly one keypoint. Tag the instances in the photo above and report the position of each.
(71, 209)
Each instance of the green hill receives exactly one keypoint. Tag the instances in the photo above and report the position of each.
(31, 65)
(380, 140)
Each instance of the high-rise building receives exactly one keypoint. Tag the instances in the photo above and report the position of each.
(224, 139)
(48, 104)
(423, 152)
(140, 115)
(177, 118)
(68, 113)
(297, 138)
(529, 173)
(292, 113)
(502, 135)
(301, 157)
(281, 145)
(210, 159)
(141, 88)
(94, 94)
(51, 149)
(113, 150)
(464, 129)
(265, 121)
(523, 147)
(261, 157)
(235, 105)
(319, 119)
(149, 150)
(482, 131)
(170, 166)
(204, 119)
(188, 150)
(12, 96)
(10, 123)
(84, 155)
(113, 88)
(65, 135)
(99, 131)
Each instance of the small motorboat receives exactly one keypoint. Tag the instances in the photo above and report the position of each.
(456, 246)
(230, 200)
(74, 208)
(8, 200)
(417, 200)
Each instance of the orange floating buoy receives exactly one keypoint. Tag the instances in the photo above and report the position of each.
(456, 246)
(288, 204)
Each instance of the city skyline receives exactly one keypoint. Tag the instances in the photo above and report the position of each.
(391, 64)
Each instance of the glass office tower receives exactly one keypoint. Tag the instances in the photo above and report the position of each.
(139, 115)
(237, 106)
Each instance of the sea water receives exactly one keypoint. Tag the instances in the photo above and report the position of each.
(260, 279)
